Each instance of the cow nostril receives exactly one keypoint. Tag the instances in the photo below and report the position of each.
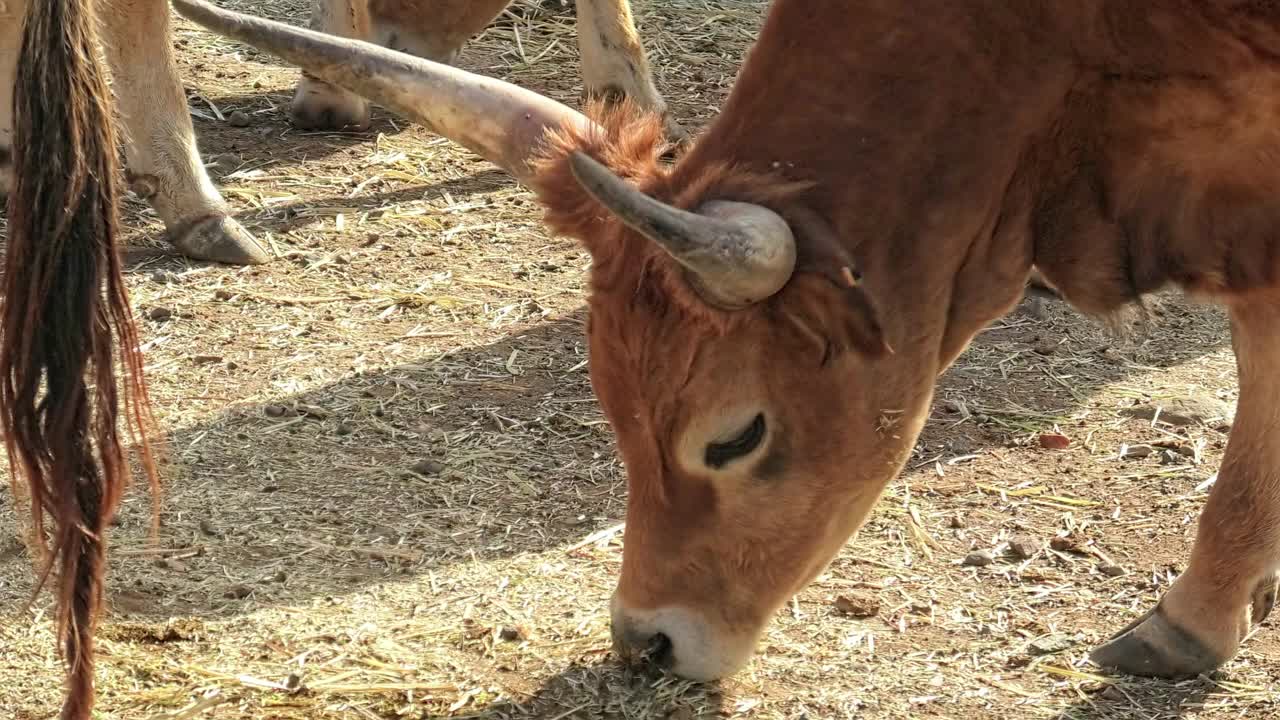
(658, 651)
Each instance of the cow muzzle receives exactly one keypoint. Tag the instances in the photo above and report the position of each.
(678, 640)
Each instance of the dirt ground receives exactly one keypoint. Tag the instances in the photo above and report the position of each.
(391, 494)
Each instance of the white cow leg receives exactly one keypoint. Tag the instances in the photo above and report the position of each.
(160, 147)
(317, 105)
(432, 29)
(613, 59)
(1230, 582)
(11, 14)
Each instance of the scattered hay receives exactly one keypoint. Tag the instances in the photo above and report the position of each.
(391, 493)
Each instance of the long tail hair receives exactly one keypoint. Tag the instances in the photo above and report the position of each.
(66, 321)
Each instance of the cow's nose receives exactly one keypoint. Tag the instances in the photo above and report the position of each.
(636, 645)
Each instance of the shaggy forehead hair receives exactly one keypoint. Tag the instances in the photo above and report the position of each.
(631, 271)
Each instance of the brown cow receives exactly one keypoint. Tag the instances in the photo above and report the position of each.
(613, 57)
(66, 319)
(763, 391)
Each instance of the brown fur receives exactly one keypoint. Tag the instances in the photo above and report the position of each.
(65, 310)
(1120, 147)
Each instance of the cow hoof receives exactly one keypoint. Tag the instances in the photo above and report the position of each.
(1264, 598)
(320, 106)
(1152, 646)
(220, 239)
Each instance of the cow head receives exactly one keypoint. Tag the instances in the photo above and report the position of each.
(726, 330)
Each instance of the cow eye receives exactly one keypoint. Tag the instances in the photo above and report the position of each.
(720, 453)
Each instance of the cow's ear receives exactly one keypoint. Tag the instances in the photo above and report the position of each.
(835, 315)
(827, 293)
(862, 329)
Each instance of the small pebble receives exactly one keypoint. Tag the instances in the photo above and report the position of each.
(858, 604)
(1069, 543)
(159, 313)
(1050, 644)
(343, 428)
(957, 522)
(979, 558)
(1023, 547)
(1110, 570)
(239, 118)
(1045, 347)
(208, 528)
(428, 467)
(171, 565)
(1135, 451)
(238, 592)
(276, 411)
(509, 633)
(1054, 441)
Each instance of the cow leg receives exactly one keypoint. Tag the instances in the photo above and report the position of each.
(432, 29)
(317, 105)
(613, 59)
(164, 165)
(11, 15)
(1230, 582)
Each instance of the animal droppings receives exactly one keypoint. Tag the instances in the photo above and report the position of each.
(239, 118)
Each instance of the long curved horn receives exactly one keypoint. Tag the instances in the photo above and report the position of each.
(736, 253)
(501, 122)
